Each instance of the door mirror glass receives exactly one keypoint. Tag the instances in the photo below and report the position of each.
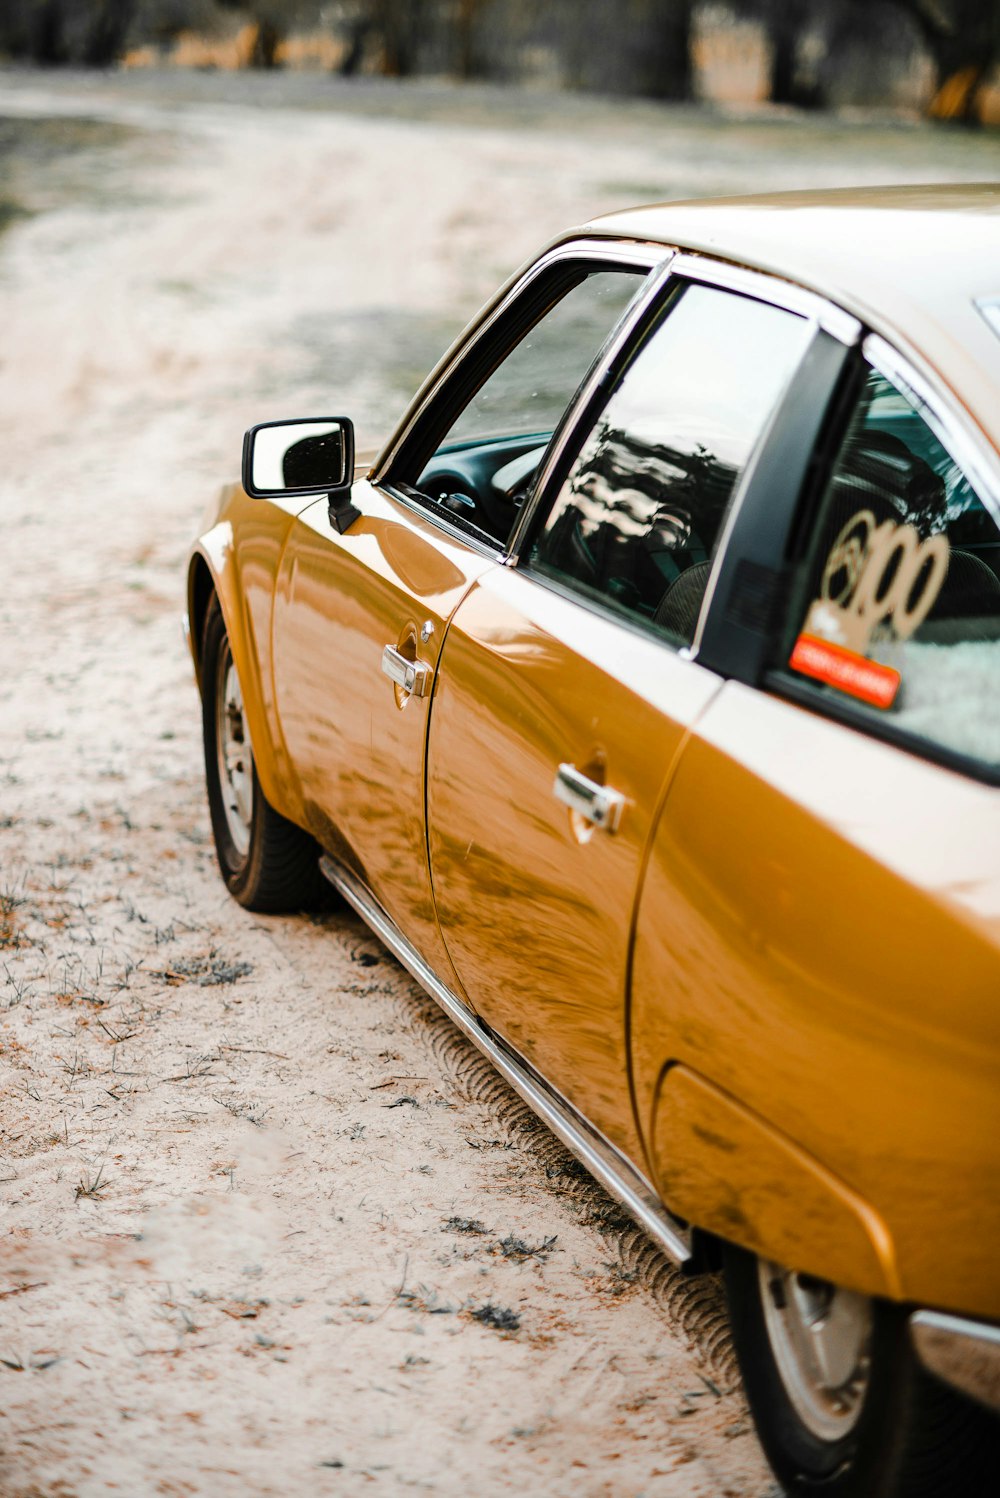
(298, 457)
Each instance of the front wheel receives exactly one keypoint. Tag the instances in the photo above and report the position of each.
(269, 864)
(841, 1405)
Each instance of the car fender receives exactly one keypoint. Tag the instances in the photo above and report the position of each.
(237, 558)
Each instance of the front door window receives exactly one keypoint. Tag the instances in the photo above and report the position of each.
(483, 443)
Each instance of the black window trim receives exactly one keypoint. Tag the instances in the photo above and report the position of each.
(836, 331)
(443, 520)
(749, 583)
(512, 308)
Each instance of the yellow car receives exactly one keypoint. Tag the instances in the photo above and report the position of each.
(643, 695)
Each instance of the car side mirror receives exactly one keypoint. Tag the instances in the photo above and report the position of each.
(306, 456)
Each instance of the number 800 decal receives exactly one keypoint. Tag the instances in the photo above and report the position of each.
(875, 577)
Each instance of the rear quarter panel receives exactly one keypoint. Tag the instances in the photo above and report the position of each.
(818, 946)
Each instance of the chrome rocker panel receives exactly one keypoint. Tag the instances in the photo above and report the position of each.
(606, 1164)
(964, 1353)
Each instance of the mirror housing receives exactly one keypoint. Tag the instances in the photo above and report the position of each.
(310, 455)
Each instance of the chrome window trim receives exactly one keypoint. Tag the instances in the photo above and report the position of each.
(768, 288)
(988, 308)
(481, 544)
(595, 607)
(815, 310)
(945, 416)
(606, 1163)
(629, 254)
(611, 351)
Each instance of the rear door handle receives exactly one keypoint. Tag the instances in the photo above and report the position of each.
(412, 677)
(597, 804)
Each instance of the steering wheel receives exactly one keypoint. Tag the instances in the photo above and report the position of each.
(513, 481)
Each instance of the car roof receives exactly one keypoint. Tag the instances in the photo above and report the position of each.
(910, 262)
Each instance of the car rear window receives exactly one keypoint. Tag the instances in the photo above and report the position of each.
(898, 609)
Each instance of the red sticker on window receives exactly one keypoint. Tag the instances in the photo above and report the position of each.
(845, 670)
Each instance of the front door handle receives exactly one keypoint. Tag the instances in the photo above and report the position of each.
(412, 677)
(598, 804)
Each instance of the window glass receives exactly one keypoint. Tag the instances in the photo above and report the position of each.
(638, 519)
(536, 382)
(899, 609)
(483, 469)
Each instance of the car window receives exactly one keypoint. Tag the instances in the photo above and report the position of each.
(637, 522)
(535, 383)
(898, 603)
(482, 468)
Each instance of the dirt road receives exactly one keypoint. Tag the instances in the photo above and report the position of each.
(268, 1225)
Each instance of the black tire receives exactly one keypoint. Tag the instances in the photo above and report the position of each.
(913, 1437)
(268, 863)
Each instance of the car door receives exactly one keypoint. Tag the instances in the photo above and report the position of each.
(815, 1026)
(360, 616)
(355, 735)
(565, 692)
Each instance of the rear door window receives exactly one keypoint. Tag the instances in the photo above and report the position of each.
(897, 612)
(636, 524)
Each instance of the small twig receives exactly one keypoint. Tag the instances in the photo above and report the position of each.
(402, 1286)
(249, 1050)
(118, 1039)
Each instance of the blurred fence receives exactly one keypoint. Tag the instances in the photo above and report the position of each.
(939, 56)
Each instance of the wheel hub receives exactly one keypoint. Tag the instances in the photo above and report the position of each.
(821, 1339)
(235, 760)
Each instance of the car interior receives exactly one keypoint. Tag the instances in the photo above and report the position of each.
(893, 466)
(485, 483)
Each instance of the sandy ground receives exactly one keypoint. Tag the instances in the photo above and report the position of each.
(269, 1226)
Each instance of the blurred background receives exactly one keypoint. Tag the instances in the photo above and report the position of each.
(934, 57)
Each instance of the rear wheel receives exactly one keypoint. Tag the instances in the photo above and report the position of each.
(842, 1408)
(268, 863)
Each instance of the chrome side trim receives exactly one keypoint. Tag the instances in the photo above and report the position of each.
(965, 1354)
(606, 1164)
